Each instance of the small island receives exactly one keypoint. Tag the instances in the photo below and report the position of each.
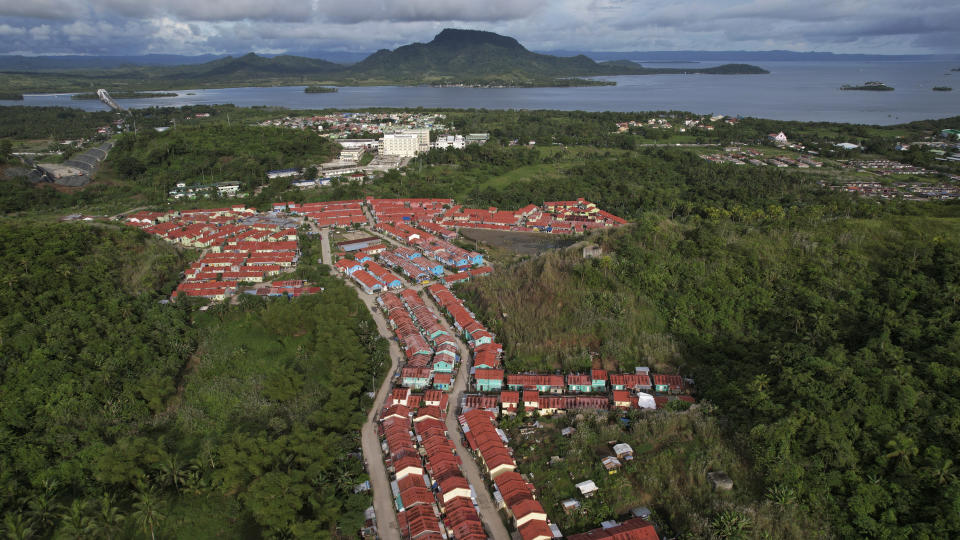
(874, 86)
(11, 96)
(320, 90)
(126, 95)
(942, 89)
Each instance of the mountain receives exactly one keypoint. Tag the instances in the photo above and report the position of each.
(459, 55)
(252, 66)
(453, 56)
(471, 55)
(10, 62)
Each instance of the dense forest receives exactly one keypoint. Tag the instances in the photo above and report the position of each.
(125, 417)
(216, 153)
(828, 344)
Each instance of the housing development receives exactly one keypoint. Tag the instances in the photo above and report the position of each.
(449, 467)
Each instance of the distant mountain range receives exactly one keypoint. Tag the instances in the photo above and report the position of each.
(452, 57)
(70, 62)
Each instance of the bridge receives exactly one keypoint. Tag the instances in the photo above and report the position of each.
(105, 97)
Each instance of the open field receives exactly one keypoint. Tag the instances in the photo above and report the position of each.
(522, 243)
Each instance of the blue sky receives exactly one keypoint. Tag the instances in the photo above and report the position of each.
(121, 27)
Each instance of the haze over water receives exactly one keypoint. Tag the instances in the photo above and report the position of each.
(806, 91)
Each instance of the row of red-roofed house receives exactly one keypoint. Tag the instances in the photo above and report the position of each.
(432, 246)
(432, 497)
(327, 214)
(370, 276)
(290, 288)
(430, 350)
(513, 492)
(399, 210)
(487, 353)
(237, 252)
(411, 264)
(559, 217)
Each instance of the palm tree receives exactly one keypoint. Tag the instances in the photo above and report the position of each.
(43, 509)
(171, 471)
(109, 520)
(942, 473)
(17, 528)
(76, 522)
(902, 447)
(147, 510)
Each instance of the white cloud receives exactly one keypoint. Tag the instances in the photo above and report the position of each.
(41, 32)
(10, 31)
(201, 26)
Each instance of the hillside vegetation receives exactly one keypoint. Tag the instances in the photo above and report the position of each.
(126, 418)
(214, 153)
(830, 344)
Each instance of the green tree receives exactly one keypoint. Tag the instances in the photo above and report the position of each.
(108, 521)
(77, 521)
(16, 527)
(148, 510)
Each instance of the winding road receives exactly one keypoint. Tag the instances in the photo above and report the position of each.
(388, 528)
(382, 495)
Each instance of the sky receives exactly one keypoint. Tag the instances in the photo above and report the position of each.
(133, 27)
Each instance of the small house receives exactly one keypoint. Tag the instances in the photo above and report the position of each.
(442, 365)
(598, 380)
(509, 401)
(611, 464)
(531, 400)
(489, 380)
(570, 505)
(623, 451)
(587, 488)
(578, 383)
(621, 399)
(442, 381)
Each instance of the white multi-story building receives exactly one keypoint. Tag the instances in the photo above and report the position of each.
(401, 144)
(450, 141)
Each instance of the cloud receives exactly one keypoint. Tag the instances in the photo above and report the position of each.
(211, 10)
(10, 31)
(426, 10)
(232, 26)
(41, 9)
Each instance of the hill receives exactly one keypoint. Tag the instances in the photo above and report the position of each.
(453, 56)
(252, 66)
(470, 55)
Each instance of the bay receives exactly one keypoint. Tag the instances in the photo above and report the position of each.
(806, 91)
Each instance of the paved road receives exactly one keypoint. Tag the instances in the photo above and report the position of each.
(388, 527)
(488, 509)
(325, 248)
(489, 514)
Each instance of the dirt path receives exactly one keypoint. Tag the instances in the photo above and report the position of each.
(388, 527)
